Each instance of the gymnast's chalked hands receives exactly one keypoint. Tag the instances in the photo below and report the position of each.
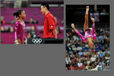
(16, 42)
(93, 20)
(72, 25)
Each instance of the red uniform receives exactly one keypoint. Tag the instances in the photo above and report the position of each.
(49, 25)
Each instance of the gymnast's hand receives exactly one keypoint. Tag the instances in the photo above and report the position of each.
(93, 20)
(25, 41)
(17, 41)
(72, 25)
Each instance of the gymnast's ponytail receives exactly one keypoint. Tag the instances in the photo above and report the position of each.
(17, 13)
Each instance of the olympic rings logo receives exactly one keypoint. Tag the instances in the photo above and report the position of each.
(37, 41)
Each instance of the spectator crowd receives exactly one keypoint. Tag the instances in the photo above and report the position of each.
(80, 57)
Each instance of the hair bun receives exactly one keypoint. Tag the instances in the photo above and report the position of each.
(15, 14)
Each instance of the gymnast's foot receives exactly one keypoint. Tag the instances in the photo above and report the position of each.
(87, 9)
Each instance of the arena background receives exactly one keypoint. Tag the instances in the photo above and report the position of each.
(33, 14)
(28, 60)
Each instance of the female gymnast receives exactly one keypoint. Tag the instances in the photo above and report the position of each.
(19, 27)
(90, 33)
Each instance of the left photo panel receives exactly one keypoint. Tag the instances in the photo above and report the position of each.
(32, 22)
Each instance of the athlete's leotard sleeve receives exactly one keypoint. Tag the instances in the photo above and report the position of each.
(94, 32)
(80, 35)
(16, 30)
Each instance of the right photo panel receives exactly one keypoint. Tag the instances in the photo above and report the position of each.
(87, 38)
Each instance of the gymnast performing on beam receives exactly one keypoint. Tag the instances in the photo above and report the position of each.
(90, 33)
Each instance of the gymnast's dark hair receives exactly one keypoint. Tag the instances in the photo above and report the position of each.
(17, 13)
(46, 5)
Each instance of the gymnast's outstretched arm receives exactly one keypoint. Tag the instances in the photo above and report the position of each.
(80, 35)
(93, 28)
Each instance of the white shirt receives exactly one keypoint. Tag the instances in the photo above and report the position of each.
(79, 64)
(67, 60)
